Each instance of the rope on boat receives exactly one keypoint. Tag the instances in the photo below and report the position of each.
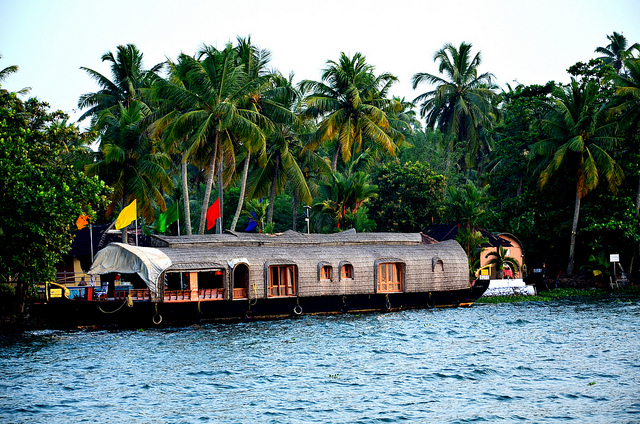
(252, 302)
(128, 301)
(387, 303)
(255, 296)
(345, 305)
(199, 312)
(297, 309)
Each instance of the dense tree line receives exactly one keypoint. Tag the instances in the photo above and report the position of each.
(554, 164)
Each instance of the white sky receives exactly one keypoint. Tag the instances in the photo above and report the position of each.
(529, 41)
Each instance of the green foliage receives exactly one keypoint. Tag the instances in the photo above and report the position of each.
(467, 204)
(430, 147)
(350, 102)
(359, 220)
(409, 199)
(462, 102)
(42, 194)
(471, 241)
(545, 296)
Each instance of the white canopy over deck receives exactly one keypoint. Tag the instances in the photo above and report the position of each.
(148, 262)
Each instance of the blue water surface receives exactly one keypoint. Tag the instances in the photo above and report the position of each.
(561, 361)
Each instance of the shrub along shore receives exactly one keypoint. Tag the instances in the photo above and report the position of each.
(627, 293)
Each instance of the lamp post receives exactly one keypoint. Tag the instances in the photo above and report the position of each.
(306, 217)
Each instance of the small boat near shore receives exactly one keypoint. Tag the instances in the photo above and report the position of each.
(239, 276)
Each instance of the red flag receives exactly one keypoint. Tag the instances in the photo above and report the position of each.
(213, 213)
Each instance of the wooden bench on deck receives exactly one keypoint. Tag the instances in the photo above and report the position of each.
(211, 294)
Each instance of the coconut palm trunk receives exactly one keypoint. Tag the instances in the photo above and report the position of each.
(274, 185)
(220, 195)
(334, 160)
(209, 186)
(185, 196)
(574, 229)
(243, 188)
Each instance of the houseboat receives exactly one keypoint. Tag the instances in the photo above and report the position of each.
(244, 276)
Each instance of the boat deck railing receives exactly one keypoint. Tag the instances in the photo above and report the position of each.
(121, 294)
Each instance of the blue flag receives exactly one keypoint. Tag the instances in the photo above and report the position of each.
(253, 222)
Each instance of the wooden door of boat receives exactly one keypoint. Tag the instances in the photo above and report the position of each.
(240, 281)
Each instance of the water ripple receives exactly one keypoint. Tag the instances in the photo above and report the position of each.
(539, 363)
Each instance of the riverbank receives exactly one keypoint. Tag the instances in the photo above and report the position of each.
(630, 291)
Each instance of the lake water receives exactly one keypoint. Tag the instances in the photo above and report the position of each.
(561, 361)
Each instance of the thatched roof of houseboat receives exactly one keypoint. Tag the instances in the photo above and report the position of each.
(232, 238)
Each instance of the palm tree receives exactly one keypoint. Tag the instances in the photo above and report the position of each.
(616, 51)
(578, 137)
(461, 105)
(4, 73)
(624, 108)
(211, 118)
(343, 194)
(173, 144)
(351, 103)
(260, 99)
(281, 169)
(501, 259)
(130, 161)
(468, 203)
(129, 80)
(625, 105)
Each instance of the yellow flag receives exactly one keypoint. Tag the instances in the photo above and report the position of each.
(127, 216)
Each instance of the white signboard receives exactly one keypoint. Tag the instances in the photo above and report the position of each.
(614, 258)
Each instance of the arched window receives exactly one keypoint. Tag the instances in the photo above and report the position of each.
(282, 280)
(390, 277)
(437, 264)
(346, 271)
(325, 271)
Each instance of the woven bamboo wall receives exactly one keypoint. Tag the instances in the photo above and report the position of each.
(450, 273)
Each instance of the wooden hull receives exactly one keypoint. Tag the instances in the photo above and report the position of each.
(72, 313)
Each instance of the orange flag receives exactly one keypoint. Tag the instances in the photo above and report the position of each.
(82, 221)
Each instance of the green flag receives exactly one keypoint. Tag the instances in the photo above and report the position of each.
(168, 217)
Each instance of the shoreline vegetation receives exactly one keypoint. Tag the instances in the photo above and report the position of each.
(629, 291)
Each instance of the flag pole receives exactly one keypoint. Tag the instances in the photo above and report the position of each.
(91, 240)
(136, 231)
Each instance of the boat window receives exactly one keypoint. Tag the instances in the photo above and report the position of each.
(437, 264)
(176, 281)
(325, 272)
(282, 280)
(346, 272)
(389, 277)
(211, 279)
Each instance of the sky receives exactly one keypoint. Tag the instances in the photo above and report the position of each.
(528, 42)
